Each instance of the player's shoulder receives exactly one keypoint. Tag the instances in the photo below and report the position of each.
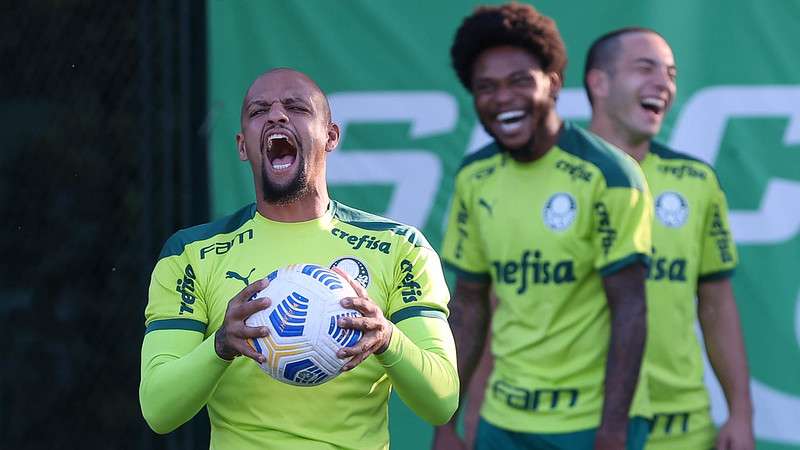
(480, 164)
(390, 230)
(682, 165)
(178, 242)
(615, 166)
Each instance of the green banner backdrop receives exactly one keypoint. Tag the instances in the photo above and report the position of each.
(407, 123)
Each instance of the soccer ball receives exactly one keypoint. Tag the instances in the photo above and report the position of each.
(303, 322)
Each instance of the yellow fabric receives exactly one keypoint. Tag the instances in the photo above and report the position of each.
(692, 241)
(202, 268)
(544, 233)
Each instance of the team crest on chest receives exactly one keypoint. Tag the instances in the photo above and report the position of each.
(672, 209)
(560, 211)
(355, 268)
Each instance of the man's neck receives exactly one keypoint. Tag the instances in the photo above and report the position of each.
(544, 138)
(309, 207)
(635, 147)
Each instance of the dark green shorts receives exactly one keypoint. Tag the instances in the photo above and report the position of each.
(491, 437)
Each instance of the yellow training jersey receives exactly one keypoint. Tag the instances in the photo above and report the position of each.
(545, 233)
(692, 243)
(200, 269)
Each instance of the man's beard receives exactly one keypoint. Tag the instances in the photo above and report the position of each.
(523, 152)
(526, 150)
(284, 195)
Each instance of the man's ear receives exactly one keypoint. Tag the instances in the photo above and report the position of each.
(555, 84)
(241, 147)
(333, 137)
(597, 81)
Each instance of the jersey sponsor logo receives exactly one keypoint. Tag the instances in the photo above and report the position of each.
(409, 288)
(353, 267)
(678, 422)
(672, 209)
(462, 217)
(529, 271)
(721, 235)
(486, 205)
(186, 287)
(362, 241)
(666, 269)
(483, 173)
(560, 211)
(535, 400)
(575, 171)
(233, 275)
(680, 171)
(604, 227)
(220, 248)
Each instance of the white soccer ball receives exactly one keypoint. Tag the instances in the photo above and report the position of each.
(303, 321)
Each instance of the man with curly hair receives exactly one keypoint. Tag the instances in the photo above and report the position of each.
(556, 222)
(630, 77)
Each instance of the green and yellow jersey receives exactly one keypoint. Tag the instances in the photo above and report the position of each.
(201, 268)
(544, 234)
(691, 243)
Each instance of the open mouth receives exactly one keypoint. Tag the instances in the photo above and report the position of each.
(654, 105)
(281, 151)
(510, 121)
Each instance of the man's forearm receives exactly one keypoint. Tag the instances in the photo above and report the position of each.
(628, 333)
(626, 297)
(719, 319)
(421, 362)
(469, 319)
(177, 378)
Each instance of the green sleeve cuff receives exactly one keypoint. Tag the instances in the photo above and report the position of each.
(715, 276)
(466, 274)
(616, 266)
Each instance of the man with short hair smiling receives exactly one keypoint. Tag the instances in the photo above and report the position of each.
(557, 223)
(630, 78)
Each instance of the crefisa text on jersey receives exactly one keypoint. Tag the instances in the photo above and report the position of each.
(533, 271)
(364, 240)
(186, 288)
(410, 289)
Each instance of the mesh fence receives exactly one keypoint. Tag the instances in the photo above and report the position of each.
(102, 108)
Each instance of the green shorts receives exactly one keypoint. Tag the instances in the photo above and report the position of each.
(682, 431)
(491, 437)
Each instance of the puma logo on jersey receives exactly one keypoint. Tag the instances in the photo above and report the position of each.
(533, 270)
(236, 276)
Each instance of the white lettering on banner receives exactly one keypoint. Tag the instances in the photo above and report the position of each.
(414, 173)
(700, 129)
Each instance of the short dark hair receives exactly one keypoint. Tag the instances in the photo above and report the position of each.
(510, 24)
(604, 50)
